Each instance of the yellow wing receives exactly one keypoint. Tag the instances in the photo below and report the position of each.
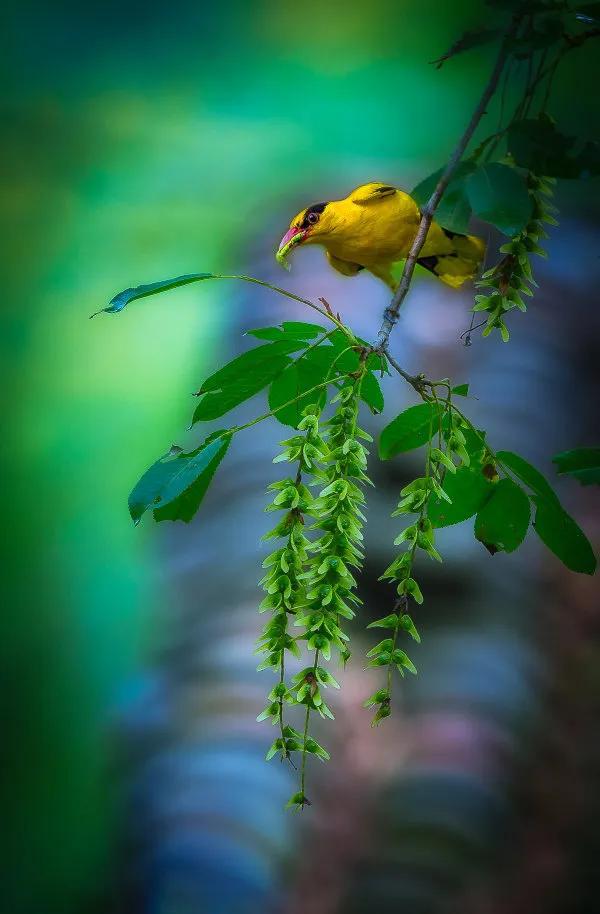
(345, 267)
(370, 193)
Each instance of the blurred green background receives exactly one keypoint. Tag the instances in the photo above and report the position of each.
(140, 142)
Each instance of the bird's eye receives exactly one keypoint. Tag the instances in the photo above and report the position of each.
(312, 218)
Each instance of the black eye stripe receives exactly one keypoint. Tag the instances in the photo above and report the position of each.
(315, 208)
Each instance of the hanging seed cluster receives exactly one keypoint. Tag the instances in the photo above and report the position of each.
(419, 535)
(312, 580)
(512, 277)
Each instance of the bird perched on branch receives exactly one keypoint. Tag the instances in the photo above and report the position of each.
(373, 228)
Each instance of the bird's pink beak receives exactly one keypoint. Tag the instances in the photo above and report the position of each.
(292, 237)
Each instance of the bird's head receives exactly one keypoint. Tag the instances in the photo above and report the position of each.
(310, 226)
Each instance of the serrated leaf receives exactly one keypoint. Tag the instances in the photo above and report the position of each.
(174, 486)
(562, 535)
(527, 474)
(501, 524)
(498, 195)
(581, 463)
(468, 490)
(411, 429)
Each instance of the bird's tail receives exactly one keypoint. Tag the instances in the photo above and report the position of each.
(458, 265)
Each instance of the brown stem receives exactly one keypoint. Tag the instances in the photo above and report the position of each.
(391, 314)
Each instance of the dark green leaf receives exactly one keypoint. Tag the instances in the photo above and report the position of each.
(300, 376)
(563, 536)
(301, 330)
(123, 298)
(340, 342)
(291, 330)
(471, 39)
(527, 474)
(502, 522)
(469, 490)
(266, 333)
(582, 463)
(461, 390)
(537, 145)
(412, 428)
(217, 403)
(371, 393)
(242, 378)
(153, 288)
(174, 486)
(454, 210)
(349, 360)
(244, 366)
(497, 194)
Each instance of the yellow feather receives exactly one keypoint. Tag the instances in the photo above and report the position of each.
(374, 227)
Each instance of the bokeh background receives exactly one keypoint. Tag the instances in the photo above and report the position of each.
(139, 142)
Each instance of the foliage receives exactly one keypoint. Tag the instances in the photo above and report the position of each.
(318, 377)
(583, 464)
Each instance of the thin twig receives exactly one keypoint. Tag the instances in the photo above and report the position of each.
(391, 314)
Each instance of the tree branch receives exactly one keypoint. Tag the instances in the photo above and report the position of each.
(391, 314)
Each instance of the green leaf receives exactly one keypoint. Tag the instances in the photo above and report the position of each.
(582, 463)
(327, 360)
(153, 288)
(461, 390)
(242, 378)
(371, 393)
(498, 195)
(411, 429)
(472, 39)
(502, 522)
(295, 330)
(468, 490)
(454, 210)
(243, 366)
(300, 376)
(390, 621)
(559, 532)
(537, 145)
(527, 474)
(266, 333)
(174, 486)
(301, 330)
(298, 799)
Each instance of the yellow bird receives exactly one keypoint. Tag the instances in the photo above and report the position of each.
(373, 228)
